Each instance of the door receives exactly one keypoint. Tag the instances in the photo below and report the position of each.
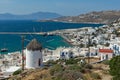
(39, 62)
(107, 56)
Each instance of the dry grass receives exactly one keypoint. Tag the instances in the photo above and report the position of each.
(37, 74)
(100, 69)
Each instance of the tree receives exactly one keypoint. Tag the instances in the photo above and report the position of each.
(17, 72)
(81, 45)
(115, 67)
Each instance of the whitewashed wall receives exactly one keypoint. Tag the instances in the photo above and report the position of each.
(32, 59)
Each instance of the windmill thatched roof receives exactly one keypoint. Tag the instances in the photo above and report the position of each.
(34, 45)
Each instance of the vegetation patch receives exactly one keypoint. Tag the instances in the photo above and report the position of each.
(106, 62)
(95, 76)
(56, 68)
(17, 72)
(71, 61)
(114, 65)
(88, 66)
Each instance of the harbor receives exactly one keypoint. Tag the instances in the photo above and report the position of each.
(10, 34)
(85, 43)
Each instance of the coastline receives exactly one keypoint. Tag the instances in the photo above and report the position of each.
(71, 22)
(80, 22)
(67, 40)
(13, 42)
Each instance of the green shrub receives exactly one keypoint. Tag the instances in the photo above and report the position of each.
(114, 65)
(74, 67)
(88, 66)
(58, 76)
(106, 62)
(116, 77)
(56, 68)
(17, 72)
(71, 61)
(82, 70)
(72, 75)
(51, 62)
(95, 75)
(68, 75)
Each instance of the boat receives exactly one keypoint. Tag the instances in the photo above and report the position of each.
(45, 34)
(50, 34)
(50, 40)
(4, 50)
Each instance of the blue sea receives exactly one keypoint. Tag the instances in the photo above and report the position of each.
(13, 42)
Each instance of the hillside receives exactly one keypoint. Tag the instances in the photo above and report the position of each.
(92, 17)
(70, 71)
(32, 16)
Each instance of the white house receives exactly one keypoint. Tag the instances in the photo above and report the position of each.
(34, 54)
(105, 54)
(66, 54)
(115, 46)
(51, 55)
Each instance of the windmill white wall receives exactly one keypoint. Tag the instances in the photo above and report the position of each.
(33, 59)
(34, 54)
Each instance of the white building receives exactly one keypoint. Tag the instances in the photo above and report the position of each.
(105, 54)
(51, 54)
(66, 54)
(34, 54)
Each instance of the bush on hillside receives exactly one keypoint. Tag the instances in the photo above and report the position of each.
(114, 65)
(74, 67)
(17, 72)
(71, 61)
(82, 70)
(51, 62)
(106, 62)
(68, 75)
(95, 76)
(88, 66)
(56, 68)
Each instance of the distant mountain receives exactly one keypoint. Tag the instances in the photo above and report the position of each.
(32, 16)
(92, 17)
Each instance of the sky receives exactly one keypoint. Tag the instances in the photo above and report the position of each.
(63, 7)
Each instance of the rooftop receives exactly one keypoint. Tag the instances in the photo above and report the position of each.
(105, 50)
(34, 45)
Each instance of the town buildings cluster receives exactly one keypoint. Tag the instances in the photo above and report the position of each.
(100, 42)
